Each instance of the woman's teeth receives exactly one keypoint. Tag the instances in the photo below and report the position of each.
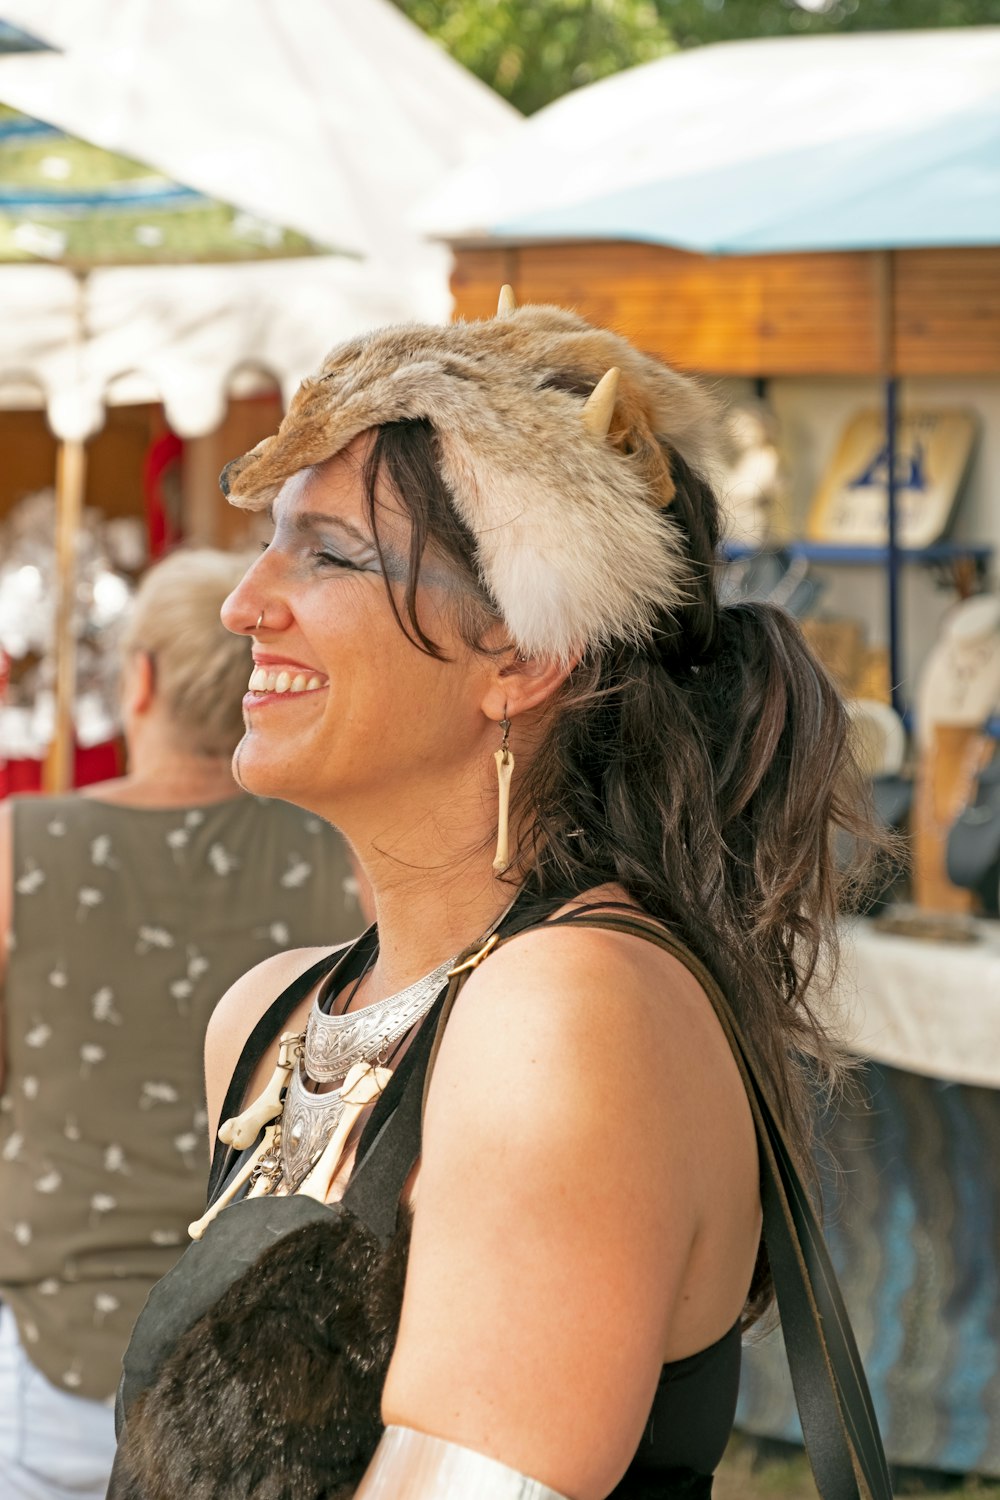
(268, 680)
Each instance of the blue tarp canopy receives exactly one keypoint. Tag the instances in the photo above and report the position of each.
(855, 142)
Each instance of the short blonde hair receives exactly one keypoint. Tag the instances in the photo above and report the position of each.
(201, 669)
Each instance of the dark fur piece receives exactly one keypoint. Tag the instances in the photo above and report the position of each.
(276, 1393)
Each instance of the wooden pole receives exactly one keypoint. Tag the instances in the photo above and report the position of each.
(71, 470)
(202, 510)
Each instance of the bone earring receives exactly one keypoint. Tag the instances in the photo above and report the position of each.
(505, 770)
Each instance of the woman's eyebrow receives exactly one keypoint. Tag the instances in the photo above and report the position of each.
(311, 520)
(389, 556)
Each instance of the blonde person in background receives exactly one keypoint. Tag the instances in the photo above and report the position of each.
(126, 911)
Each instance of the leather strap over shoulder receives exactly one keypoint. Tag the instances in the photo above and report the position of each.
(838, 1420)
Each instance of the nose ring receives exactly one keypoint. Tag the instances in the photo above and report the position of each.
(260, 620)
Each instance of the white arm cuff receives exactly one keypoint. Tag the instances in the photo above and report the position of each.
(410, 1465)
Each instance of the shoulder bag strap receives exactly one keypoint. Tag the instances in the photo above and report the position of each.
(835, 1407)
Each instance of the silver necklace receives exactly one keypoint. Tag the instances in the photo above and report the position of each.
(335, 1043)
(307, 1122)
(331, 1047)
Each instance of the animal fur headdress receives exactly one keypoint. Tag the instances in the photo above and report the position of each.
(554, 441)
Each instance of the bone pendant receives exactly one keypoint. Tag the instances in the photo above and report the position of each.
(243, 1129)
(197, 1229)
(361, 1087)
(505, 770)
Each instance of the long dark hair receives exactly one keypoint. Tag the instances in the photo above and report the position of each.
(707, 772)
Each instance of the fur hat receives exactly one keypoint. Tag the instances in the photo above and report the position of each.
(567, 497)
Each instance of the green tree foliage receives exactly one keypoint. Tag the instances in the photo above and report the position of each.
(695, 22)
(531, 51)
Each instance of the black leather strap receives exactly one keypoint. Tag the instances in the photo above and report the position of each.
(390, 1142)
(838, 1420)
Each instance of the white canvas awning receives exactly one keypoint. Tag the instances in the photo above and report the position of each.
(858, 141)
(332, 117)
(183, 334)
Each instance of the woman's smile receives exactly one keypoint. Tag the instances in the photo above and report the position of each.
(274, 677)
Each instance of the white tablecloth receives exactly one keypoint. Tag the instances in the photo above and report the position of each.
(930, 1008)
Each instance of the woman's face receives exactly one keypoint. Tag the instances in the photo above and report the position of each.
(344, 715)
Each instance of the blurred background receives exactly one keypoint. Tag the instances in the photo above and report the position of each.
(798, 201)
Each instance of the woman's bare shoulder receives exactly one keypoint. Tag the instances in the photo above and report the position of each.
(565, 960)
(568, 1038)
(588, 987)
(563, 1024)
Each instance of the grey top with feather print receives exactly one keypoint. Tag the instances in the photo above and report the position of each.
(128, 925)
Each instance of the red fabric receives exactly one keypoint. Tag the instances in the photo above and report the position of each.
(161, 464)
(97, 763)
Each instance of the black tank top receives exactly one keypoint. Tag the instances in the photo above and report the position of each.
(695, 1402)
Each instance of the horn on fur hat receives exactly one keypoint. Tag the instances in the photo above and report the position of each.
(507, 302)
(599, 407)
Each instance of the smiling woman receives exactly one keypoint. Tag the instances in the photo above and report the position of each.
(490, 1175)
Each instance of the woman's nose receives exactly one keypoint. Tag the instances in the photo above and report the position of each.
(244, 606)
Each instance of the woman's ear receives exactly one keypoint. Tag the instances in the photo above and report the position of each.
(520, 683)
(138, 683)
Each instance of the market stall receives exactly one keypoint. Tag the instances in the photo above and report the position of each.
(912, 1191)
(831, 207)
(814, 225)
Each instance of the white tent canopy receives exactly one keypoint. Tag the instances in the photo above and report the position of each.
(791, 143)
(328, 116)
(184, 334)
(332, 117)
